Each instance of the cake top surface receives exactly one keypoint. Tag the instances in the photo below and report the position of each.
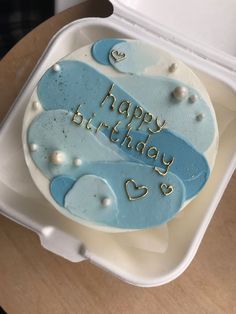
(119, 135)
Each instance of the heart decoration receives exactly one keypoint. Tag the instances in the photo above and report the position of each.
(142, 188)
(118, 56)
(166, 189)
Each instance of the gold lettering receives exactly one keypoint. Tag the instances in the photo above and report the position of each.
(114, 130)
(88, 127)
(154, 154)
(140, 146)
(128, 138)
(113, 98)
(125, 110)
(137, 114)
(159, 126)
(77, 117)
(166, 163)
(147, 118)
(101, 125)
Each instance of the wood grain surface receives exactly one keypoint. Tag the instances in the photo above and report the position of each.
(33, 280)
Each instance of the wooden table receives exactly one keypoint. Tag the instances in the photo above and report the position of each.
(34, 280)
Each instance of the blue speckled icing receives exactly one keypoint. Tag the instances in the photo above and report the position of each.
(59, 186)
(155, 207)
(101, 49)
(80, 84)
(138, 57)
(54, 130)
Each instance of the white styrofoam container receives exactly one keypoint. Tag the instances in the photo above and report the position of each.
(214, 62)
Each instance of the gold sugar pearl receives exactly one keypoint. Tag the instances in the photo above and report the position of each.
(180, 93)
(35, 105)
(77, 162)
(57, 157)
(33, 147)
(199, 117)
(106, 201)
(193, 98)
(173, 67)
(56, 67)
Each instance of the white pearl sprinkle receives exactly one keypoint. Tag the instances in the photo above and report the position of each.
(57, 157)
(180, 93)
(77, 162)
(192, 99)
(35, 105)
(56, 67)
(33, 147)
(106, 201)
(199, 117)
(173, 67)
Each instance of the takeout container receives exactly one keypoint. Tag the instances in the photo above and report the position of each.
(183, 29)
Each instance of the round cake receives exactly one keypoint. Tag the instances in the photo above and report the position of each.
(120, 135)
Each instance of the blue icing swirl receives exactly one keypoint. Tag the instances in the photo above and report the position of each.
(101, 49)
(151, 210)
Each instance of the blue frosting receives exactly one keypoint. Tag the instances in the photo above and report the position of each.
(108, 164)
(91, 208)
(59, 186)
(138, 57)
(189, 165)
(154, 95)
(69, 88)
(153, 209)
(101, 49)
(53, 130)
(76, 83)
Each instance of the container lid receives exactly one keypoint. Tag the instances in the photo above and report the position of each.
(207, 28)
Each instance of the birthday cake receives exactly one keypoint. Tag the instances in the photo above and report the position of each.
(119, 135)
